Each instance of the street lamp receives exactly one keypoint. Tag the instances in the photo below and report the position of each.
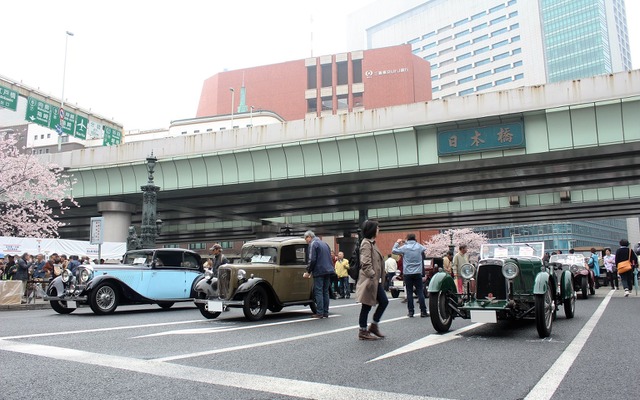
(233, 101)
(451, 245)
(64, 74)
(150, 228)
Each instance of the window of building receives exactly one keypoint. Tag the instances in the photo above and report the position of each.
(35, 137)
(434, 66)
(444, 29)
(463, 56)
(327, 103)
(430, 56)
(503, 81)
(516, 51)
(483, 74)
(480, 26)
(515, 39)
(446, 51)
(357, 71)
(517, 64)
(498, 32)
(209, 129)
(478, 15)
(42, 136)
(448, 85)
(46, 151)
(445, 40)
(429, 45)
(462, 33)
(65, 138)
(514, 26)
(343, 73)
(312, 80)
(171, 246)
(483, 87)
(499, 19)
(414, 40)
(458, 23)
(513, 14)
(464, 68)
(343, 102)
(446, 62)
(465, 80)
(196, 131)
(481, 50)
(482, 62)
(428, 35)
(481, 38)
(502, 68)
(518, 76)
(325, 71)
(463, 44)
(501, 56)
(496, 8)
(358, 99)
(435, 89)
(500, 43)
(466, 92)
(511, 2)
(48, 136)
(197, 246)
(445, 74)
(312, 105)
(435, 77)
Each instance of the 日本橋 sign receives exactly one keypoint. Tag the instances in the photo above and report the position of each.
(482, 138)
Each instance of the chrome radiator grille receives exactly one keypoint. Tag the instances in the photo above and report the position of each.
(224, 280)
(491, 281)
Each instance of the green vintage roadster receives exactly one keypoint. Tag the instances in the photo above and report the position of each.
(509, 282)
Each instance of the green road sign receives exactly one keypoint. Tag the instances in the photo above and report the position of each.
(38, 112)
(81, 127)
(8, 98)
(111, 136)
(68, 124)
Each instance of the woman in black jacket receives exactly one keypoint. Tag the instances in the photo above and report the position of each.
(624, 253)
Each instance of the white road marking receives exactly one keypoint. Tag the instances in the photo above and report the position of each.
(547, 386)
(267, 343)
(258, 383)
(428, 341)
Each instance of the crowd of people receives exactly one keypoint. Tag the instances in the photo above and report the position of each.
(36, 268)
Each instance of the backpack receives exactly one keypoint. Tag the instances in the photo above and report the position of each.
(354, 263)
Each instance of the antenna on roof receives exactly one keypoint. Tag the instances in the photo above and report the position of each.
(311, 29)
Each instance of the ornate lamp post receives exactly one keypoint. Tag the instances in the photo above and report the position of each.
(451, 245)
(150, 228)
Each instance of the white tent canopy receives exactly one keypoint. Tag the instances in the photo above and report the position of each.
(80, 248)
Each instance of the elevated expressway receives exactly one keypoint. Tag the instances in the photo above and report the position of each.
(579, 159)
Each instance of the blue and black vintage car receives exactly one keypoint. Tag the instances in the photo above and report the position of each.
(509, 282)
(160, 276)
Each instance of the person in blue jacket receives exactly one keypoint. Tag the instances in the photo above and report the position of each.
(413, 267)
(320, 267)
(594, 265)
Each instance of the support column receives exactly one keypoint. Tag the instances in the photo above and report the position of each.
(117, 218)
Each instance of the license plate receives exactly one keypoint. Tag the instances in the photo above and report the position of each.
(71, 304)
(214, 306)
(484, 316)
(398, 284)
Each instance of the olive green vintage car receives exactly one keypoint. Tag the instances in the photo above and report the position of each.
(509, 282)
(269, 276)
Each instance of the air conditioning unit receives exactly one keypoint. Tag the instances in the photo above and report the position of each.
(514, 200)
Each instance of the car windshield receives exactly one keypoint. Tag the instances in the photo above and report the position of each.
(138, 257)
(259, 254)
(508, 250)
(567, 259)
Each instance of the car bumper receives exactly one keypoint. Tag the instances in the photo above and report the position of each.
(218, 304)
(79, 299)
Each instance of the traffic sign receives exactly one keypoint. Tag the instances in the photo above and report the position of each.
(111, 136)
(8, 98)
(96, 233)
(39, 112)
(68, 122)
(81, 127)
(59, 129)
(61, 114)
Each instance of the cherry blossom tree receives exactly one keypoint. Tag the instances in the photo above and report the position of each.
(438, 245)
(29, 188)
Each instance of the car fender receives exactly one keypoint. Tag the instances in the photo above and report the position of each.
(245, 287)
(541, 283)
(202, 285)
(126, 291)
(565, 285)
(442, 281)
(57, 284)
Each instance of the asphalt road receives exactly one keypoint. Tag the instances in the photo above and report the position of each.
(143, 352)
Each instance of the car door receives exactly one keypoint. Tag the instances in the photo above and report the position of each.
(288, 281)
(167, 277)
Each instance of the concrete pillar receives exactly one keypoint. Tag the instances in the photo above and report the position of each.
(117, 219)
(346, 245)
(266, 231)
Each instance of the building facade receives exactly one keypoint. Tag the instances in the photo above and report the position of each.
(482, 45)
(317, 86)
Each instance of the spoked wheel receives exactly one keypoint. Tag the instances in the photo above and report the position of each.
(585, 287)
(255, 304)
(544, 312)
(204, 310)
(104, 299)
(60, 306)
(570, 304)
(441, 317)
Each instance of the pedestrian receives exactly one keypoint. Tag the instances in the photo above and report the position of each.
(413, 265)
(342, 271)
(217, 258)
(610, 265)
(370, 285)
(446, 263)
(594, 265)
(10, 268)
(333, 286)
(74, 262)
(625, 253)
(459, 260)
(320, 268)
(38, 270)
(390, 267)
(22, 272)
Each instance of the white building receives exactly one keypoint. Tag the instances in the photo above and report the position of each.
(480, 45)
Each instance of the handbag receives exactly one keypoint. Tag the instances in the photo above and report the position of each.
(625, 266)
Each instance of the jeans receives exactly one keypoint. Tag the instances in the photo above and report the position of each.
(414, 282)
(345, 289)
(627, 280)
(388, 281)
(383, 302)
(321, 292)
(613, 277)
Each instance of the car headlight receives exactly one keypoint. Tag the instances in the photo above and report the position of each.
(575, 268)
(467, 271)
(398, 272)
(510, 270)
(208, 274)
(85, 275)
(241, 274)
(66, 275)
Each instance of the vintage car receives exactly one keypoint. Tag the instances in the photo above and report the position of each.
(431, 266)
(269, 277)
(511, 282)
(583, 277)
(162, 276)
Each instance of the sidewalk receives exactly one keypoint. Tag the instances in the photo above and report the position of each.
(38, 304)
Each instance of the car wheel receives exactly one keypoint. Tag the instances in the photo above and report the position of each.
(166, 305)
(394, 293)
(202, 307)
(570, 304)
(60, 306)
(544, 313)
(255, 304)
(592, 291)
(585, 287)
(441, 317)
(104, 299)
(314, 307)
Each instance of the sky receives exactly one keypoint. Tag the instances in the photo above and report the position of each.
(142, 63)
